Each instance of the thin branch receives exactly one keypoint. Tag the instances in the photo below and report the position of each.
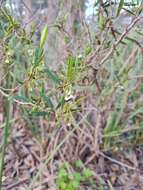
(117, 162)
(17, 184)
(114, 46)
(130, 39)
(17, 101)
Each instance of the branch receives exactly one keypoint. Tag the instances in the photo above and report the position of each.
(114, 46)
(117, 162)
(17, 184)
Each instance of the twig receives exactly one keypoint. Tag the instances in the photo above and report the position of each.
(34, 15)
(127, 30)
(17, 101)
(97, 134)
(136, 77)
(117, 162)
(114, 46)
(93, 55)
(130, 39)
(17, 184)
(88, 32)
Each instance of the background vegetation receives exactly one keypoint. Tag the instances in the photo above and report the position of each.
(71, 94)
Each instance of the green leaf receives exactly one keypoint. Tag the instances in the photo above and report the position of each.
(38, 56)
(44, 35)
(87, 173)
(138, 111)
(62, 185)
(75, 184)
(61, 102)
(63, 173)
(71, 70)
(53, 76)
(121, 4)
(21, 98)
(129, 11)
(141, 88)
(88, 50)
(39, 113)
(111, 123)
(77, 177)
(79, 164)
(13, 42)
(102, 21)
(96, 3)
(47, 99)
(1, 30)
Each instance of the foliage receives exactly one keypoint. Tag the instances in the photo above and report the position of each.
(67, 180)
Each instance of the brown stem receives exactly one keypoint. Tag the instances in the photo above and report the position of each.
(114, 46)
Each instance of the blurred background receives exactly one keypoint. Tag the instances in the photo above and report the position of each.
(73, 16)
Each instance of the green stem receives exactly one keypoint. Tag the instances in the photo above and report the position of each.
(6, 132)
(7, 111)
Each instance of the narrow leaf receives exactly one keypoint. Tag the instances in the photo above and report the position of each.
(111, 123)
(121, 4)
(47, 100)
(38, 56)
(44, 35)
(96, 3)
(135, 113)
(53, 76)
(39, 113)
(21, 98)
(61, 102)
